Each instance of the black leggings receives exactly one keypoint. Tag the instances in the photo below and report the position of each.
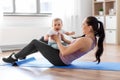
(51, 54)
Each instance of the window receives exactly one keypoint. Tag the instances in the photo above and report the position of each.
(27, 7)
(8, 6)
(46, 6)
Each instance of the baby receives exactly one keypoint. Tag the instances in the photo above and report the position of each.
(56, 28)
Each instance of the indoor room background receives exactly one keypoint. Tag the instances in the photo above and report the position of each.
(21, 21)
(19, 25)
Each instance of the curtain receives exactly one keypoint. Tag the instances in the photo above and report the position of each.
(1, 16)
(1, 11)
(64, 9)
(72, 12)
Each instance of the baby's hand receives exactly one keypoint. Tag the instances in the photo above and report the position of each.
(72, 33)
(46, 38)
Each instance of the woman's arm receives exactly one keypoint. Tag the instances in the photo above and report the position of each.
(65, 50)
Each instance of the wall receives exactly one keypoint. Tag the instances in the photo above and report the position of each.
(16, 31)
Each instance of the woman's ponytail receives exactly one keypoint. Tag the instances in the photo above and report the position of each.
(101, 36)
(99, 32)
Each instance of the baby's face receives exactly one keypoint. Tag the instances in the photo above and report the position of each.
(57, 25)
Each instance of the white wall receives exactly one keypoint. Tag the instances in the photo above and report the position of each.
(15, 30)
(21, 30)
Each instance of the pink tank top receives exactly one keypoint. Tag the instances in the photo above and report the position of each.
(71, 57)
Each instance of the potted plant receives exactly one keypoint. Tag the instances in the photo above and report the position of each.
(101, 11)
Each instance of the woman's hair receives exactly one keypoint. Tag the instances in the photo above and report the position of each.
(98, 30)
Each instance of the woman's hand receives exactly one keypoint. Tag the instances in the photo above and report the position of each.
(55, 37)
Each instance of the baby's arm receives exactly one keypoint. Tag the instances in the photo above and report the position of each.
(69, 33)
(75, 37)
(65, 40)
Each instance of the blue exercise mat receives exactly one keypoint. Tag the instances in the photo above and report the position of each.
(19, 63)
(32, 62)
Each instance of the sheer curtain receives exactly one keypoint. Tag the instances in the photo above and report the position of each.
(64, 9)
(1, 11)
(72, 12)
(1, 17)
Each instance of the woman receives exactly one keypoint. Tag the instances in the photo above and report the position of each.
(91, 27)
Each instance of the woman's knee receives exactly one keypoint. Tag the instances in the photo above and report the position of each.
(35, 41)
(42, 39)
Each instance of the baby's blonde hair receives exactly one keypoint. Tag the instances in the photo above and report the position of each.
(57, 19)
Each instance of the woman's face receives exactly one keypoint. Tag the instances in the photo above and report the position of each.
(57, 25)
(85, 28)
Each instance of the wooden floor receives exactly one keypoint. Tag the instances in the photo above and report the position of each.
(111, 54)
